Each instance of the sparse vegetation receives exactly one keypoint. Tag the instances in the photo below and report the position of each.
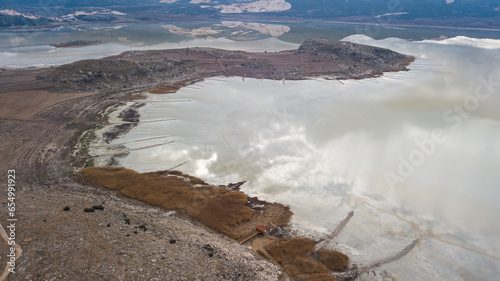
(82, 150)
(88, 210)
(256, 64)
(66, 208)
(112, 72)
(105, 115)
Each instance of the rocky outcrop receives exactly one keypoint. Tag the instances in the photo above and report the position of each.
(356, 57)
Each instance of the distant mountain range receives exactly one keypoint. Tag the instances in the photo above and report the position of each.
(469, 13)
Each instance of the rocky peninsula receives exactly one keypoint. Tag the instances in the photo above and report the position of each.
(316, 57)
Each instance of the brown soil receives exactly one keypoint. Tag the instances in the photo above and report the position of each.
(21, 105)
(22, 80)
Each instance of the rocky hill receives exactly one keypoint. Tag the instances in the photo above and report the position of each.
(354, 56)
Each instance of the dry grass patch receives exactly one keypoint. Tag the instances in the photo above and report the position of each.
(223, 212)
(217, 207)
(300, 261)
(136, 97)
(334, 260)
(287, 250)
(111, 177)
(167, 89)
(305, 266)
(295, 255)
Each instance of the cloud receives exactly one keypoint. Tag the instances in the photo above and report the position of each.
(271, 29)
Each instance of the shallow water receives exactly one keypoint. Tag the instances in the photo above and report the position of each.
(414, 154)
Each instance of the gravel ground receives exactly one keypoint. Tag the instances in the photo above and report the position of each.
(128, 240)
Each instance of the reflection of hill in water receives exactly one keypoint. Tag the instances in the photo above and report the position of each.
(157, 33)
(149, 34)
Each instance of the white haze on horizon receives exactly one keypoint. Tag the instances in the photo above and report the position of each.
(325, 148)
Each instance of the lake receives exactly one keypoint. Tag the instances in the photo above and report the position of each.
(414, 154)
